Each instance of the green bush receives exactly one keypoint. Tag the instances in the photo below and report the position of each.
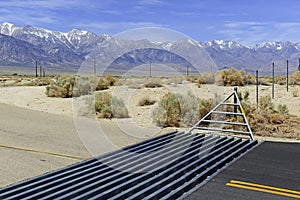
(180, 110)
(168, 111)
(231, 77)
(189, 113)
(204, 106)
(107, 106)
(111, 80)
(61, 87)
(68, 86)
(82, 87)
(102, 84)
(105, 82)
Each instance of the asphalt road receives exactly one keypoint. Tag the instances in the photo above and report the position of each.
(33, 143)
(269, 164)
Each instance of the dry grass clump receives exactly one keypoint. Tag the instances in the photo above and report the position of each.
(153, 82)
(146, 101)
(180, 110)
(268, 121)
(250, 79)
(295, 78)
(152, 85)
(206, 78)
(265, 103)
(107, 106)
(281, 80)
(205, 105)
(295, 92)
(230, 77)
(105, 82)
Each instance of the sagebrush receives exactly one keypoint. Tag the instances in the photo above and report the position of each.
(108, 106)
(74, 86)
(180, 110)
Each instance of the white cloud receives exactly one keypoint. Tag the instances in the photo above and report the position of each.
(104, 27)
(151, 2)
(40, 4)
(251, 32)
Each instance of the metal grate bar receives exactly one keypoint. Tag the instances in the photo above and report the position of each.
(225, 122)
(223, 130)
(226, 113)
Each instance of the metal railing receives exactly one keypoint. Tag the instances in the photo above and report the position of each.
(238, 111)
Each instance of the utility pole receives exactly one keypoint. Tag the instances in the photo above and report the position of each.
(40, 70)
(287, 75)
(36, 68)
(150, 70)
(94, 66)
(187, 70)
(257, 89)
(299, 65)
(44, 73)
(273, 80)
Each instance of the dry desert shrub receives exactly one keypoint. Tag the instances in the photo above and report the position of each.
(107, 106)
(265, 103)
(167, 112)
(230, 77)
(204, 106)
(153, 82)
(250, 79)
(174, 80)
(180, 110)
(82, 86)
(295, 92)
(206, 78)
(189, 111)
(74, 86)
(61, 87)
(295, 78)
(153, 85)
(105, 82)
(146, 101)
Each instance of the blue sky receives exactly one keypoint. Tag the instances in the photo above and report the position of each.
(244, 21)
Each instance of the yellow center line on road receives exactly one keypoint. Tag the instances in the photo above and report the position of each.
(264, 188)
(42, 152)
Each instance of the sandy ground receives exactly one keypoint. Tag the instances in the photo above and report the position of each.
(30, 120)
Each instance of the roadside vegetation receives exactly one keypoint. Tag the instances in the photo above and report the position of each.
(170, 109)
(180, 110)
(66, 86)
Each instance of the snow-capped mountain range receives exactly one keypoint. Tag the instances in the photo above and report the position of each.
(23, 45)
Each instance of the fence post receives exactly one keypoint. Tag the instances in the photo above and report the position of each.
(235, 100)
(256, 89)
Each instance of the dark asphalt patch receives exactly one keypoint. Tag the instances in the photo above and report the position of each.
(271, 163)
